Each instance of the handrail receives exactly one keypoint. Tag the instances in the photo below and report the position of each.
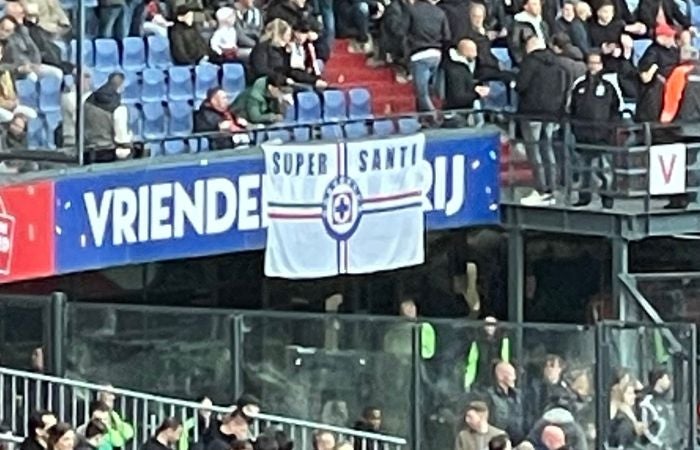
(9, 437)
(196, 406)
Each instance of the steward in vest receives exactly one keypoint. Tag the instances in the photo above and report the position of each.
(484, 353)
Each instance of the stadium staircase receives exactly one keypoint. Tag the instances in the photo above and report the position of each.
(346, 70)
(23, 392)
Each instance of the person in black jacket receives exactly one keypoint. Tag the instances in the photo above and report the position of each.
(353, 19)
(215, 116)
(594, 108)
(292, 11)
(94, 432)
(462, 87)
(428, 34)
(187, 46)
(271, 54)
(478, 32)
(38, 425)
(541, 86)
(392, 39)
(50, 53)
(573, 26)
(166, 436)
(526, 24)
(456, 12)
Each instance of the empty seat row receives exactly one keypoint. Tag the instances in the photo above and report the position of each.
(136, 53)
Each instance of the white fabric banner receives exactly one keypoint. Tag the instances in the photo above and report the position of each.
(337, 208)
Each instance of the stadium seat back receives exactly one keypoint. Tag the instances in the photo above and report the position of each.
(88, 52)
(360, 103)
(308, 107)
(334, 105)
(132, 88)
(180, 85)
(135, 122)
(408, 125)
(158, 52)
(206, 76)
(106, 55)
(53, 120)
(36, 134)
(27, 93)
(50, 94)
(180, 114)
(154, 88)
(383, 128)
(356, 130)
(640, 46)
(153, 120)
(503, 57)
(133, 54)
(233, 80)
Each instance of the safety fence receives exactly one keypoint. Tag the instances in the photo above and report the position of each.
(421, 375)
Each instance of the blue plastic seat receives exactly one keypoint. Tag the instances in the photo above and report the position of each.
(27, 93)
(36, 134)
(356, 130)
(408, 125)
(383, 128)
(334, 105)
(135, 122)
(53, 120)
(158, 52)
(132, 88)
(106, 55)
(233, 80)
(174, 147)
(640, 46)
(360, 103)
(180, 84)
(497, 98)
(203, 145)
(153, 121)
(153, 85)
(308, 107)
(50, 94)
(503, 57)
(63, 46)
(290, 114)
(331, 132)
(282, 135)
(180, 114)
(206, 76)
(133, 54)
(88, 52)
(99, 78)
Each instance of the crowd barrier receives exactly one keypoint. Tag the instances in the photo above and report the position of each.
(421, 374)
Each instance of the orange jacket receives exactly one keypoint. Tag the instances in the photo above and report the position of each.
(673, 91)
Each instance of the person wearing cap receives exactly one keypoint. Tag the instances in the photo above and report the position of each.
(215, 116)
(655, 66)
(187, 46)
(224, 41)
(263, 101)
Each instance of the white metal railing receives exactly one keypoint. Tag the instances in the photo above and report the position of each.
(23, 392)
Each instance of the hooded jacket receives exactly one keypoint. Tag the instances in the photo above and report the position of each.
(571, 60)
(541, 85)
(255, 105)
(460, 81)
(525, 26)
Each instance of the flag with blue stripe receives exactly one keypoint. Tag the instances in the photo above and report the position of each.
(345, 207)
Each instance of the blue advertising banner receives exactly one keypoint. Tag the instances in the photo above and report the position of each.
(151, 213)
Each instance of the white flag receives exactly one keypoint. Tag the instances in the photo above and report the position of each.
(336, 208)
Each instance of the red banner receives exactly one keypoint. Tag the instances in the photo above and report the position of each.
(26, 231)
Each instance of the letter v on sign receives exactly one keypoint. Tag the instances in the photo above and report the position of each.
(667, 172)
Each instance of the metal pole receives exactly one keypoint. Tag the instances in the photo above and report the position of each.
(237, 356)
(416, 412)
(620, 265)
(58, 308)
(602, 410)
(79, 113)
(693, 394)
(516, 275)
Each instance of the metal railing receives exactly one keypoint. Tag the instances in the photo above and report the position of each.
(23, 392)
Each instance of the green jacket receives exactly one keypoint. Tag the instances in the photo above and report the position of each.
(254, 105)
(118, 435)
(184, 443)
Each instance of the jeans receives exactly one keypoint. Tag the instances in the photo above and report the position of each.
(326, 9)
(540, 153)
(424, 72)
(592, 163)
(108, 16)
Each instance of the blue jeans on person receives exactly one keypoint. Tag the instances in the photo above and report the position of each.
(328, 18)
(108, 16)
(424, 73)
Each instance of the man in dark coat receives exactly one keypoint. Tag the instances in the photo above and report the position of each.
(595, 103)
(541, 87)
(573, 26)
(527, 23)
(648, 13)
(187, 45)
(215, 116)
(462, 87)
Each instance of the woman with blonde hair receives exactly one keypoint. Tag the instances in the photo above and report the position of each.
(625, 427)
(271, 54)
